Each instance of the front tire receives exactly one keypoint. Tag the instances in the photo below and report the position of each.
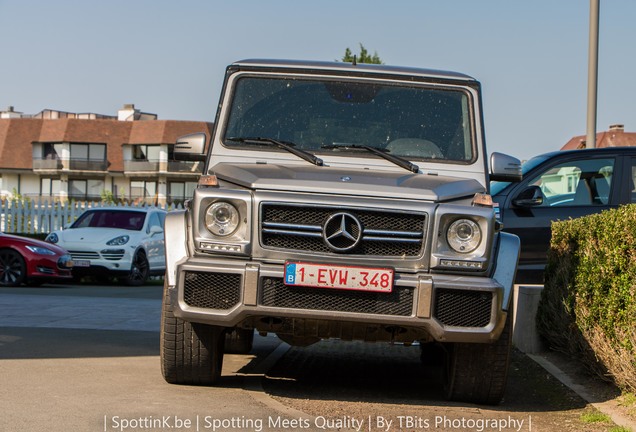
(12, 268)
(191, 353)
(478, 373)
(139, 270)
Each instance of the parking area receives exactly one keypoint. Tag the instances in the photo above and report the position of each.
(85, 358)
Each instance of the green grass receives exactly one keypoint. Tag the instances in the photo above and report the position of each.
(628, 400)
(595, 417)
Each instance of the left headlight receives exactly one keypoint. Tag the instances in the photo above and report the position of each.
(40, 250)
(118, 241)
(222, 218)
(463, 236)
(52, 238)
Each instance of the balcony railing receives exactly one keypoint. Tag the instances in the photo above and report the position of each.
(58, 164)
(88, 165)
(47, 164)
(130, 166)
(141, 165)
(163, 166)
(185, 166)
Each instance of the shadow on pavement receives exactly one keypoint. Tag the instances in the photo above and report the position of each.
(42, 343)
(386, 374)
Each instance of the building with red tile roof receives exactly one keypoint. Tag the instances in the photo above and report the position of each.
(614, 137)
(57, 155)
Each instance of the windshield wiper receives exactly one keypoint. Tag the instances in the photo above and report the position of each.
(290, 147)
(401, 162)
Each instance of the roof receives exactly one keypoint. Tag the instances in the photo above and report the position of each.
(126, 209)
(614, 137)
(358, 68)
(17, 136)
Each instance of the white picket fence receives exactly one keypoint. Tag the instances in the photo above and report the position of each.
(30, 217)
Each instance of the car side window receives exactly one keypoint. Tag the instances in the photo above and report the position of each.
(632, 184)
(154, 221)
(576, 183)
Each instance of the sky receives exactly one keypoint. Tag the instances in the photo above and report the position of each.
(169, 57)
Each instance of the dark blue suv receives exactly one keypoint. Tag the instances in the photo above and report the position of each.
(558, 186)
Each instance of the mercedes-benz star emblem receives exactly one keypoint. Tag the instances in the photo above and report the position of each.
(342, 232)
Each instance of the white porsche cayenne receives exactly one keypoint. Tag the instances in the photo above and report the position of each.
(127, 243)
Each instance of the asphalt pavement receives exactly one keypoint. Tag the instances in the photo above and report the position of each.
(81, 358)
(86, 358)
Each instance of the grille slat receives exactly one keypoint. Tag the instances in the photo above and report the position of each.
(212, 290)
(385, 233)
(461, 308)
(275, 293)
(84, 255)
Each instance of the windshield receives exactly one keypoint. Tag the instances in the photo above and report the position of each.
(128, 220)
(414, 122)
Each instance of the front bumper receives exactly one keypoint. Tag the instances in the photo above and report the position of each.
(422, 306)
(52, 268)
(112, 260)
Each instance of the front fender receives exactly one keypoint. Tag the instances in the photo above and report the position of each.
(176, 243)
(507, 259)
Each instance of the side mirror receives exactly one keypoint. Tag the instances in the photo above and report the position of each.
(190, 147)
(532, 196)
(504, 168)
(155, 229)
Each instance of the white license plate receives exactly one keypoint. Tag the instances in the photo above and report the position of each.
(81, 263)
(339, 277)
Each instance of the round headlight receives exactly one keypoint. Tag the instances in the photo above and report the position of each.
(463, 235)
(222, 218)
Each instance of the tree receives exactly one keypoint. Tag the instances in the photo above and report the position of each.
(363, 57)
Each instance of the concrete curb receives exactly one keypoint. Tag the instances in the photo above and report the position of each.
(604, 407)
(526, 338)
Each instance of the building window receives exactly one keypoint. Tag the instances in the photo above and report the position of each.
(143, 189)
(51, 151)
(85, 189)
(50, 186)
(88, 157)
(180, 191)
(148, 153)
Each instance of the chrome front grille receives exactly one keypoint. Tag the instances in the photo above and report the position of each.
(388, 233)
(84, 255)
(113, 254)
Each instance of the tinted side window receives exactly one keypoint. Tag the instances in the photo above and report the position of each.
(632, 183)
(154, 221)
(576, 183)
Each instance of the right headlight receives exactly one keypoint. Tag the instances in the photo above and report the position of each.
(222, 218)
(463, 236)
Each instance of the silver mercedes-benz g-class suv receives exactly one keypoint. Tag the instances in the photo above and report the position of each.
(343, 201)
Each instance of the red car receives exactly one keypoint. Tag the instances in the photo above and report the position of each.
(32, 262)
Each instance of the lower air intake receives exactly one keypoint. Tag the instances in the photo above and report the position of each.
(212, 290)
(276, 294)
(459, 308)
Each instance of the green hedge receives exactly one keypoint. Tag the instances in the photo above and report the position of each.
(588, 305)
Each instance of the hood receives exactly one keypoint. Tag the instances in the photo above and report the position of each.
(31, 241)
(363, 182)
(78, 236)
